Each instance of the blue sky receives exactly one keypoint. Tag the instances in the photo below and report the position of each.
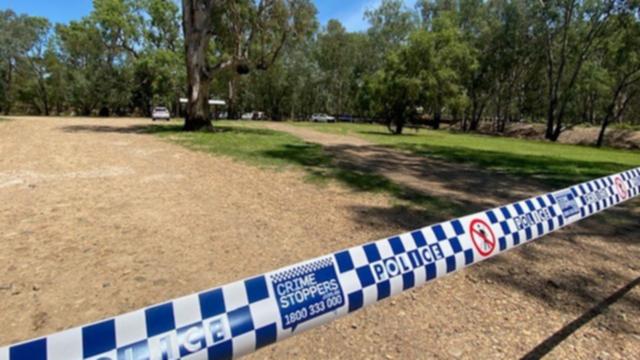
(349, 12)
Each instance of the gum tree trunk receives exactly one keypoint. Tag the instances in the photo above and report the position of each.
(197, 27)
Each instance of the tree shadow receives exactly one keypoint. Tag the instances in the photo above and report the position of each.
(129, 129)
(433, 178)
(617, 224)
(161, 129)
(321, 166)
(550, 171)
(559, 336)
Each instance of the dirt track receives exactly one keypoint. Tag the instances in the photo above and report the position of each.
(98, 219)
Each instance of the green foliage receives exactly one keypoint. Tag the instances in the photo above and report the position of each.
(428, 73)
(19, 36)
(475, 64)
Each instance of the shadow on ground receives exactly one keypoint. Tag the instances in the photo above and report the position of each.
(550, 171)
(602, 307)
(322, 164)
(568, 272)
(471, 187)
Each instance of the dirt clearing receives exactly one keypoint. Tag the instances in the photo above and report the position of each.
(98, 219)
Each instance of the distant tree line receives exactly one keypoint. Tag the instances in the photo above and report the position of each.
(469, 62)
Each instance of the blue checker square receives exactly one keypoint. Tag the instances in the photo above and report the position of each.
(528, 233)
(530, 205)
(365, 276)
(505, 228)
(345, 263)
(418, 238)
(503, 243)
(492, 217)
(516, 238)
(408, 280)
(457, 227)
(384, 290)
(240, 321)
(356, 300)
(160, 319)
(396, 245)
(212, 303)
(455, 245)
(34, 350)
(256, 289)
(98, 338)
(468, 257)
(519, 209)
(505, 213)
(371, 250)
(438, 231)
(221, 351)
(451, 264)
(266, 336)
(432, 272)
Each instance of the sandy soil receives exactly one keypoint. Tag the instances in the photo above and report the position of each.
(98, 219)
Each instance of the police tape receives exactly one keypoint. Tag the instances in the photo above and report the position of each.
(242, 317)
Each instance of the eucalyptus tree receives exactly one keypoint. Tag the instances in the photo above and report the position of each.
(239, 36)
(568, 32)
(19, 34)
(622, 64)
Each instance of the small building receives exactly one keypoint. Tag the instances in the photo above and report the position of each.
(215, 104)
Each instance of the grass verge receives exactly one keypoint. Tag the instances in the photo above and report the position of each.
(554, 164)
(277, 150)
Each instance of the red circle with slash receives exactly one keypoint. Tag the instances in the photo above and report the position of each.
(622, 188)
(482, 237)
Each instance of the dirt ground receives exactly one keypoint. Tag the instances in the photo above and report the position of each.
(98, 219)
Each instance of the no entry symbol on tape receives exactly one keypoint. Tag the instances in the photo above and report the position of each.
(482, 237)
(622, 188)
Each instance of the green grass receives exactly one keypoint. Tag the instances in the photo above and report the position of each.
(554, 164)
(248, 143)
(236, 140)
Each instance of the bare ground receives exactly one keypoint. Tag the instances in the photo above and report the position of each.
(98, 219)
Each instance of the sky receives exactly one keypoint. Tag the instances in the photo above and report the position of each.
(349, 12)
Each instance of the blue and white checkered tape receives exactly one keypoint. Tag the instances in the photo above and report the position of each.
(242, 317)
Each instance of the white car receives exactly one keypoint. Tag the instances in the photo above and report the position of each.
(324, 118)
(254, 115)
(160, 113)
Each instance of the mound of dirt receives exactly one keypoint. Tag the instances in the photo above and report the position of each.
(579, 135)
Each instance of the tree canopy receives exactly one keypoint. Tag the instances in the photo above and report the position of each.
(466, 62)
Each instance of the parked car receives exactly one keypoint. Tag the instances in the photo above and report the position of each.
(324, 118)
(160, 113)
(254, 115)
(346, 118)
(259, 115)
